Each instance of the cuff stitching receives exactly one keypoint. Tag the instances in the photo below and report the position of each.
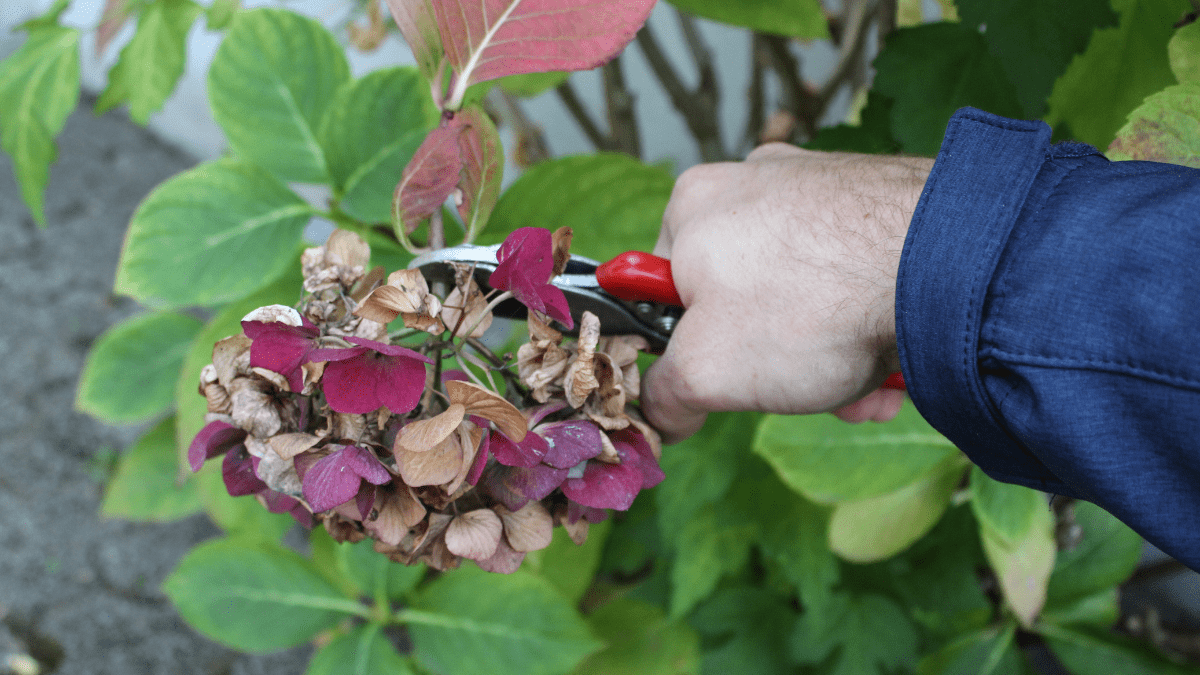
(1106, 365)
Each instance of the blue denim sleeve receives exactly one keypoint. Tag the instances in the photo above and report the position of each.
(1047, 316)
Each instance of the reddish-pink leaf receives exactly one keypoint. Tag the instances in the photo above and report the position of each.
(419, 28)
(430, 177)
(112, 19)
(483, 168)
(486, 39)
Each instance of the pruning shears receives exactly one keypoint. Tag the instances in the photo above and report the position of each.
(634, 293)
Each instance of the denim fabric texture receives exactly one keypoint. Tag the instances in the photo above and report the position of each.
(1048, 320)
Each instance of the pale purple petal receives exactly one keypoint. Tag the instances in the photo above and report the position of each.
(504, 561)
(364, 463)
(529, 452)
(539, 413)
(238, 470)
(330, 482)
(480, 461)
(494, 483)
(365, 501)
(633, 449)
(592, 515)
(605, 486)
(216, 438)
(570, 442)
(535, 482)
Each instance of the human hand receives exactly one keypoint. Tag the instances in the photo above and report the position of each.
(787, 265)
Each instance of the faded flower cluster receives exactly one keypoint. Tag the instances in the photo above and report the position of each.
(321, 412)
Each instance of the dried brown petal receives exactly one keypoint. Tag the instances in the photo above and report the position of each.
(424, 435)
(651, 436)
(278, 381)
(474, 534)
(504, 561)
(231, 358)
(279, 474)
(541, 365)
(606, 406)
(434, 467)
(608, 454)
(288, 446)
(529, 529)
(405, 292)
(215, 396)
(469, 436)
(580, 380)
(470, 314)
(396, 511)
(577, 531)
(623, 350)
(348, 249)
(341, 529)
(439, 557)
(346, 427)
(253, 409)
(275, 313)
(561, 242)
(367, 284)
(539, 331)
(490, 406)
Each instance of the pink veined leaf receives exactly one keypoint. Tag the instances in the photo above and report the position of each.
(430, 177)
(486, 39)
(483, 168)
(112, 19)
(419, 28)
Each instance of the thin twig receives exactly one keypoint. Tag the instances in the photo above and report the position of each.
(531, 142)
(797, 97)
(857, 24)
(566, 94)
(622, 123)
(698, 107)
(755, 93)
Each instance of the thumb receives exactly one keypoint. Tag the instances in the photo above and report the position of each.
(662, 405)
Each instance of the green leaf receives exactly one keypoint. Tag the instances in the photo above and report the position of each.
(363, 651)
(875, 528)
(567, 566)
(189, 404)
(1023, 566)
(243, 517)
(373, 126)
(1120, 68)
(130, 372)
(1094, 651)
(221, 13)
(1034, 40)
(254, 596)
(641, 641)
(1183, 52)
(152, 62)
(872, 135)
(701, 469)
(829, 461)
(39, 87)
(985, 652)
(1100, 609)
(1008, 510)
(873, 633)
(471, 622)
(1106, 555)
(270, 83)
(375, 574)
(612, 201)
(210, 235)
(527, 85)
(1165, 128)
(49, 18)
(745, 630)
(794, 18)
(714, 543)
(929, 72)
(145, 486)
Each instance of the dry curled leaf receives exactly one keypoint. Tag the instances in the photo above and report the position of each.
(437, 466)
(287, 446)
(463, 312)
(560, 242)
(474, 534)
(424, 435)
(490, 406)
(580, 381)
(406, 294)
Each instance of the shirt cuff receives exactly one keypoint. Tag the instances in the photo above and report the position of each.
(966, 213)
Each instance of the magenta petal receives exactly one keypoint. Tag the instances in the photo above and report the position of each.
(555, 304)
(633, 449)
(364, 463)
(605, 486)
(454, 374)
(335, 354)
(480, 461)
(365, 501)
(528, 453)
(280, 348)
(350, 386)
(400, 383)
(570, 442)
(390, 350)
(277, 502)
(539, 413)
(239, 475)
(330, 482)
(592, 515)
(216, 438)
(494, 483)
(535, 482)
(527, 254)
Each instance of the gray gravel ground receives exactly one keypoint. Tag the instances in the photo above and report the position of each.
(79, 593)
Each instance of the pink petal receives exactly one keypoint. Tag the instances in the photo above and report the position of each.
(529, 452)
(365, 501)
(364, 463)
(216, 438)
(555, 303)
(238, 472)
(605, 486)
(350, 386)
(539, 413)
(280, 348)
(592, 515)
(390, 350)
(480, 461)
(633, 449)
(329, 482)
(525, 257)
(504, 561)
(400, 383)
(430, 176)
(570, 442)
(534, 482)
(333, 353)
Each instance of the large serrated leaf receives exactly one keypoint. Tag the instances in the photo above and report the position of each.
(1120, 68)
(1008, 510)
(152, 62)
(363, 651)
(471, 622)
(1183, 52)
(711, 545)
(929, 72)
(745, 629)
(793, 18)
(494, 38)
(210, 235)
(1096, 651)
(991, 651)
(875, 528)
(144, 486)
(829, 461)
(254, 596)
(1164, 128)
(641, 641)
(270, 84)
(613, 202)
(1023, 566)
(130, 372)
(1105, 555)
(873, 633)
(375, 575)
(39, 87)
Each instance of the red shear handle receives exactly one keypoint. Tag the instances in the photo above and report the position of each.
(894, 381)
(637, 277)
